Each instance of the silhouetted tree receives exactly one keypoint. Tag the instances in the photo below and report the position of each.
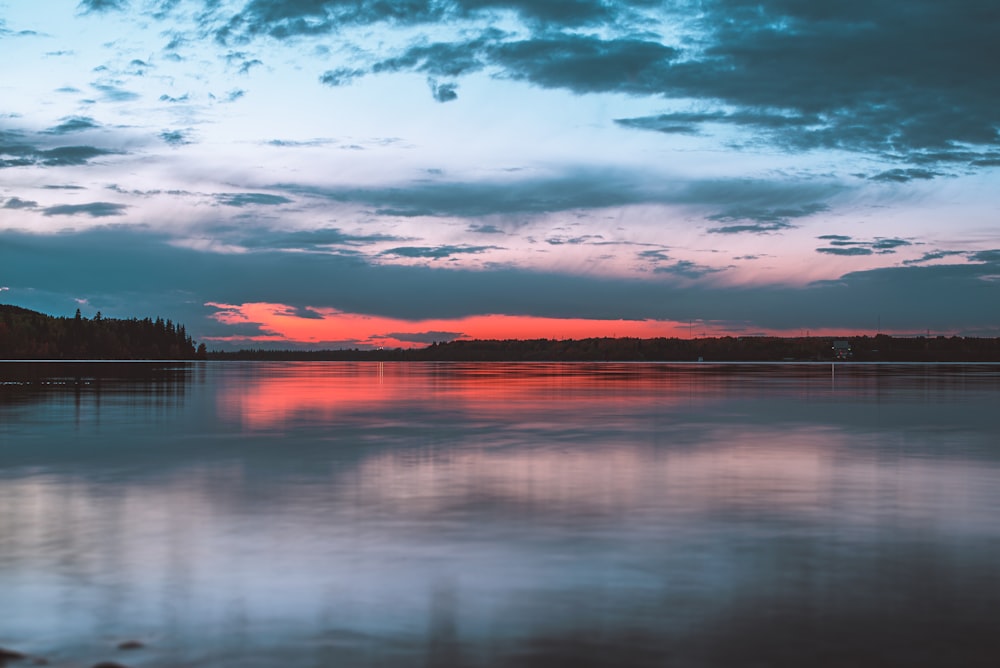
(26, 334)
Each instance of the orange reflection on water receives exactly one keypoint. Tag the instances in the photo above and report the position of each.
(279, 394)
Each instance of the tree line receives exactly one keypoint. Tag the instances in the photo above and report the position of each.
(26, 334)
(881, 348)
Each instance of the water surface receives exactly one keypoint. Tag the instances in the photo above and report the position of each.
(377, 514)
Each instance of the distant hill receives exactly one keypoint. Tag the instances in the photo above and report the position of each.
(27, 334)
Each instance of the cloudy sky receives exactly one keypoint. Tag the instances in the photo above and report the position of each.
(370, 172)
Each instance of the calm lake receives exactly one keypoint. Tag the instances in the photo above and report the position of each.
(376, 514)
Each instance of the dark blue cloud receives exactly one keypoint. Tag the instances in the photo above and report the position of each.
(18, 203)
(485, 229)
(582, 189)
(986, 256)
(177, 40)
(92, 209)
(934, 255)
(248, 199)
(574, 241)
(751, 228)
(301, 240)
(436, 252)
(236, 56)
(908, 80)
(114, 93)
(586, 64)
(421, 337)
(890, 76)
(746, 218)
(686, 269)
(693, 122)
(7, 32)
(285, 19)
(99, 6)
(139, 273)
(176, 137)
(841, 244)
(444, 59)
(73, 124)
(841, 250)
(71, 155)
(341, 76)
(248, 65)
(663, 263)
(22, 150)
(163, 8)
(884, 244)
(656, 255)
(290, 19)
(904, 175)
(443, 92)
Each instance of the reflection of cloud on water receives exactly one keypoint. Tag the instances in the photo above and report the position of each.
(719, 473)
(585, 554)
(505, 518)
(807, 475)
(356, 570)
(606, 478)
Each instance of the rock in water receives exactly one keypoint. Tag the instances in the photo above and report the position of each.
(131, 644)
(10, 655)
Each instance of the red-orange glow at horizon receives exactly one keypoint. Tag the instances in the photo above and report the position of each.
(279, 322)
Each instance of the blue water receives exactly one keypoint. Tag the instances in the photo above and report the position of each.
(367, 514)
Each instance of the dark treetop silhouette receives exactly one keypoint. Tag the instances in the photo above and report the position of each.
(881, 348)
(26, 334)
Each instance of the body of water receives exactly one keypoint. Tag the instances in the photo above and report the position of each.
(370, 514)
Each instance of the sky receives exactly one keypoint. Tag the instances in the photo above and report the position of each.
(367, 173)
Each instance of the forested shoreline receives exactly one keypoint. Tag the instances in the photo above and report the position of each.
(881, 348)
(27, 334)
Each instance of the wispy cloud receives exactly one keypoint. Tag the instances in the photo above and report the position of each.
(92, 209)
(842, 244)
(904, 175)
(436, 252)
(18, 203)
(585, 188)
(100, 6)
(114, 93)
(176, 137)
(73, 124)
(251, 199)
